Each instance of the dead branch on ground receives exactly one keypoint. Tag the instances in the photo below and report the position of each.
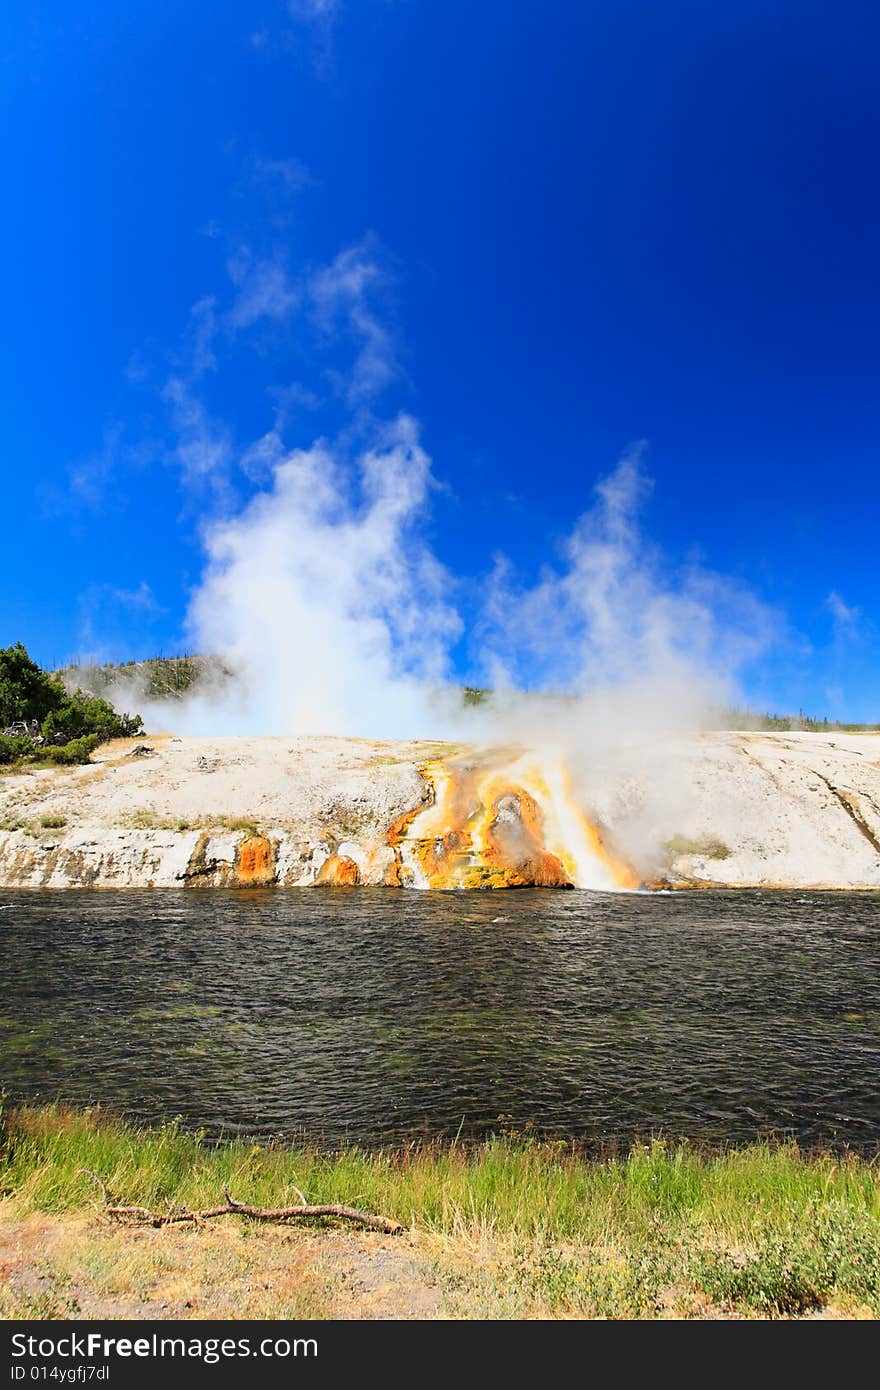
(173, 1216)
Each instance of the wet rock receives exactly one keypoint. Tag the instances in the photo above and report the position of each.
(201, 871)
(255, 863)
(515, 845)
(338, 872)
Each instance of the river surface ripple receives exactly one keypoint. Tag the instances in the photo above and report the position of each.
(374, 1016)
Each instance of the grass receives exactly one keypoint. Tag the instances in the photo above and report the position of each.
(706, 845)
(28, 766)
(245, 824)
(145, 819)
(32, 827)
(511, 1228)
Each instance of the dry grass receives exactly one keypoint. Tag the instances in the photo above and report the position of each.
(34, 827)
(145, 819)
(510, 1229)
(77, 1267)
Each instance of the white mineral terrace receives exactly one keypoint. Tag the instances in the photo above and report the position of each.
(738, 809)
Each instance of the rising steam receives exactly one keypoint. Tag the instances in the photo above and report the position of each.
(323, 600)
(335, 616)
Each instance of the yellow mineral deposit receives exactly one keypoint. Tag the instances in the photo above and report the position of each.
(338, 872)
(255, 863)
(504, 820)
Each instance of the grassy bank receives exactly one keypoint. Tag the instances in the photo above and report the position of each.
(508, 1229)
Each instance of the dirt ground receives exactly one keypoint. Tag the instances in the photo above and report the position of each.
(91, 1269)
(81, 1268)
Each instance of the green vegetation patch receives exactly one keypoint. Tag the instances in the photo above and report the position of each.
(41, 722)
(520, 1228)
(800, 1259)
(160, 677)
(707, 846)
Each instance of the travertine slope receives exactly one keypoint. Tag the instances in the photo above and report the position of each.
(798, 810)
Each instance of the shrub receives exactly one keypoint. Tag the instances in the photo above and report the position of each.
(78, 750)
(88, 714)
(824, 1251)
(28, 693)
(13, 749)
(72, 724)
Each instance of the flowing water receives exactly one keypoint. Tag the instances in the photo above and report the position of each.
(378, 1015)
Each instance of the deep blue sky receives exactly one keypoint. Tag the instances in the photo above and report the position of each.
(596, 222)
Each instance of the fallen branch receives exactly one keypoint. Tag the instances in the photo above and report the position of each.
(233, 1208)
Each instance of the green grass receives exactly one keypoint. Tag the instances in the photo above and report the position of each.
(706, 845)
(764, 1230)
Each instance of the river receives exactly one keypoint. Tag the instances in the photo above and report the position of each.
(378, 1016)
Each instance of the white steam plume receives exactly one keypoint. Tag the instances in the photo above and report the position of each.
(615, 617)
(336, 618)
(630, 659)
(325, 602)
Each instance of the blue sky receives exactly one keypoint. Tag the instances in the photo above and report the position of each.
(542, 231)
